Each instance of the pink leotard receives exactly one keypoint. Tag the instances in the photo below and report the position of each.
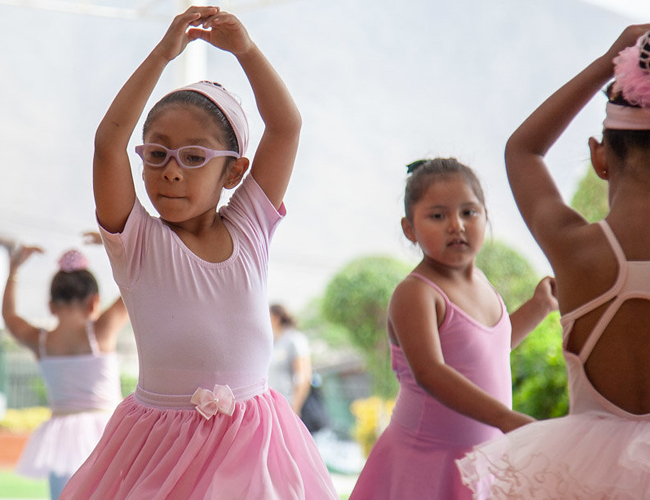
(414, 457)
(597, 452)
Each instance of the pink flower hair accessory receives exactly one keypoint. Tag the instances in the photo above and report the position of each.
(73, 260)
(632, 73)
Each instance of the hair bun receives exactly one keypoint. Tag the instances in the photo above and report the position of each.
(632, 73)
(644, 52)
(73, 260)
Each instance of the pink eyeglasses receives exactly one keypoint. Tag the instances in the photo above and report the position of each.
(156, 155)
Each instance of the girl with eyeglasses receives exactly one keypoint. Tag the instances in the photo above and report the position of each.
(202, 423)
(450, 340)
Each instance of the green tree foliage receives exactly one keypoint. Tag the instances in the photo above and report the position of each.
(509, 273)
(538, 373)
(590, 198)
(357, 298)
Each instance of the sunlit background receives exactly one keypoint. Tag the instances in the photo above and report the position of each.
(379, 85)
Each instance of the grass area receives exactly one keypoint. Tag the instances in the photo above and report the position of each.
(14, 486)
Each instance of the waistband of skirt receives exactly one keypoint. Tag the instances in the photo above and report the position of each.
(182, 401)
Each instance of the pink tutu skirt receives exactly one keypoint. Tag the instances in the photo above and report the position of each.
(260, 452)
(577, 457)
(62, 444)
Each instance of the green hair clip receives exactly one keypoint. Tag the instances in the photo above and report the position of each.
(412, 167)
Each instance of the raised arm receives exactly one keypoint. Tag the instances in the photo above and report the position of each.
(23, 331)
(113, 319)
(109, 324)
(537, 196)
(413, 319)
(276, 153)
(532, 313)
(112, 178)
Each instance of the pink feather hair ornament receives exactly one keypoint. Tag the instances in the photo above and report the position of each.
(73, 260)
(632, 73)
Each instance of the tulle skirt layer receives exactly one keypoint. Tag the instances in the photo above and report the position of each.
(62, 444)
(260, 452)
(578, 457)
(403, 465)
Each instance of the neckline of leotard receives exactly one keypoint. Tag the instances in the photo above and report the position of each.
(470, 318)
(614, 292)
(92, 340)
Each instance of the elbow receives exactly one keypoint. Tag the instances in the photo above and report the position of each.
(294, 123)
(510, 149)
(423, 377)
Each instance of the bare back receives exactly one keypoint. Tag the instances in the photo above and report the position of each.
(608, 290)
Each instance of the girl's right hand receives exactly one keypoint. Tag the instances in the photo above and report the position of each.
(515, 420)
(627, 39)
(20, 255)
(225, 32)
(92, 238)
(176, 38)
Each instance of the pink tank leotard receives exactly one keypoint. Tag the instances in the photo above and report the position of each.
(83, 390)
(414, 457)
(597, 452)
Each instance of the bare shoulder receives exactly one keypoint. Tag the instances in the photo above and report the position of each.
(585, 268)
(415, 301)
(413, 288)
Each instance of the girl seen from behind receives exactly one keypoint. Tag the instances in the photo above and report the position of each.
(77, 361)
(450, 338)
(600, 450)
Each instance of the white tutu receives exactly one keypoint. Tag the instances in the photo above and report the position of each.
(577, 457)
(62, 444)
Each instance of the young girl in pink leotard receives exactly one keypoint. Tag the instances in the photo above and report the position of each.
(78, 363)
(601, 450)
(450, 338)
(202, 423)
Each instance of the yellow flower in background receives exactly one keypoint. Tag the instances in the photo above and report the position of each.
(372, 416)
(24, 420)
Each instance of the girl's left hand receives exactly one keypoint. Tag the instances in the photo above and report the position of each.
(224, 31)
(183, 30)
(546, 294)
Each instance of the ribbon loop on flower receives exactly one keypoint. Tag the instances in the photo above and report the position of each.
(208, 403)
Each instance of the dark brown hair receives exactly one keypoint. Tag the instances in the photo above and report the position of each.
(286, 320)
(74, 286)
(423, 173)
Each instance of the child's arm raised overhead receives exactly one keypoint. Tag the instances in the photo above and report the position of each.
(112, 180)
(414, 319)
(111, 321)
(109, 324)
(276, 152)
(537, 196)
(24, 332)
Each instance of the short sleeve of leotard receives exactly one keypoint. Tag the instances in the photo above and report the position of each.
(251, 214)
